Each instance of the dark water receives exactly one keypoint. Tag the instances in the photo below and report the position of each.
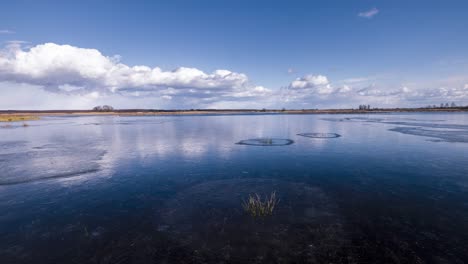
(169, 189)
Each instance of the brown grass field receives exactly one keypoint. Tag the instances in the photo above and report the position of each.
(17, 118)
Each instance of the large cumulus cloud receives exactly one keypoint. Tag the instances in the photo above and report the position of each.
(69, 69)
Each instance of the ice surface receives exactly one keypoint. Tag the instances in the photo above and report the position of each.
(442, 135)
(426, 128)
(21, 163)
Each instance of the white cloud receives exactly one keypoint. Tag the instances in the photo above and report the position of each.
(344, 89)
(309, 81)
(6, 31)
(74, 70)
(310, 85)
(316, 91)
(374, 90)
(445, 93)
(308, 88)
(255, 92)
(66, 77)
(369, 13)
(54, 65)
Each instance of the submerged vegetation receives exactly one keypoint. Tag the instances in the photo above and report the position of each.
(320, 135)
(17, 118)
(266, 141)
(256, 207)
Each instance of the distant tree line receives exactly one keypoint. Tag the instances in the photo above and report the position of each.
(364, 107)
(442, 105)
(103, 108)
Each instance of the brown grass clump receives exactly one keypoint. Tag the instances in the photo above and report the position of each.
(255, 206)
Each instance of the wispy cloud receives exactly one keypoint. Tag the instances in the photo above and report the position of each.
(369, 13)
(19, 42)
(357, 80)
(6, 31)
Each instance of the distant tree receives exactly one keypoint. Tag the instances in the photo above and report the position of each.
(446, 105)
(107, 108)
(104, 108)
(364, 107)
(441, 105)
(283, 109)
(453, 104)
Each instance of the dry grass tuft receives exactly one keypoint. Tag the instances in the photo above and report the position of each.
(258, 208)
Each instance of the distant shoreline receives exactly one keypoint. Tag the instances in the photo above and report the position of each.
(144, 112)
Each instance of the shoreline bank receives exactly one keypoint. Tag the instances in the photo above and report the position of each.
(30, 115)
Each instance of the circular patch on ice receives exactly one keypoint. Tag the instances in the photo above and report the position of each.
(320, 135)
(266, 142)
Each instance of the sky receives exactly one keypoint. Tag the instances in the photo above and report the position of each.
(232, 54)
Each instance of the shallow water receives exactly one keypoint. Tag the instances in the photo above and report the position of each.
(169, 189)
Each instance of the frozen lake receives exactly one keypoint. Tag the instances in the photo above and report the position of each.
(169, 189)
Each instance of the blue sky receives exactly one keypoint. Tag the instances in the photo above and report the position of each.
(293, 54)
